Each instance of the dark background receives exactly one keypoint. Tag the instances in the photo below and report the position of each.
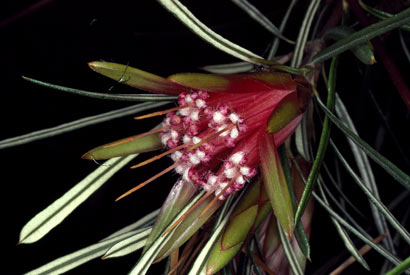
(54, 42)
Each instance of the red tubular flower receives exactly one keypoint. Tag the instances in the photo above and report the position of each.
(214, 135)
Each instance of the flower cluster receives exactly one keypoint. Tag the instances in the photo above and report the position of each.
(202, 130)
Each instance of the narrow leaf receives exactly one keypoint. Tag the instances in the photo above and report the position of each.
(128, 245)
(251, 210)
(303, 33)
(366, 172)
(381, 14)
(275, 183)
(345, 237)
(195, 25)
(380, 249)
(388, 166)
(78, 124)
(199, 266)
(290, 254)
(363, 52)
(145, 221)
(363, 35)
(258, 16)
(54, 214)
(71, 261)
(125, 147)
(107, 96)
(178, 197)
(151, 253)
(375, 201)
(231, 68)
(136, 78)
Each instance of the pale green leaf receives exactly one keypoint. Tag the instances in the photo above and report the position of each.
(378, 248)
(78, 124)
(231, 68)
(107, 96)
(290, 254)
(129, 245)
(258, 16)
(54, 214)
(151, 253)
(199, 266)
(372, 198)
(195, 25)
(303, 33)
(388, 166)
(365, 170)
(72, 260)
(345, 237)
(143, 222)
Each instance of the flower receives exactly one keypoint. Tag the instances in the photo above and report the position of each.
(224, 129)
(213, 135)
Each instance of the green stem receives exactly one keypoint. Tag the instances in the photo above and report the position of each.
(324, 140)
(400, 268)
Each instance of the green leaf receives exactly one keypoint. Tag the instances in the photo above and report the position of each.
(151, 253)
(363, 52)
(128, 245)
(195, 25)
(275, 46)
(303, 33)
(251, 210)
(231, 68)
(125, 147)
(199, 266)
(381, 14)
(190, 224)
(363, 35)
(256, 15)
(374, 200)
(378, 248)
(178, 197)
(54, 214)
(289, 252)
(72, 260)
(275, 183)
(345, 237)
(78, 124)
(137, 78)
(366, 172)
(388, 166)
(107, 96)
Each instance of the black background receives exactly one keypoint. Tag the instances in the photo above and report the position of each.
(54, 44)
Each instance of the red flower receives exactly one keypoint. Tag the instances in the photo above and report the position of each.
(224, 126)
